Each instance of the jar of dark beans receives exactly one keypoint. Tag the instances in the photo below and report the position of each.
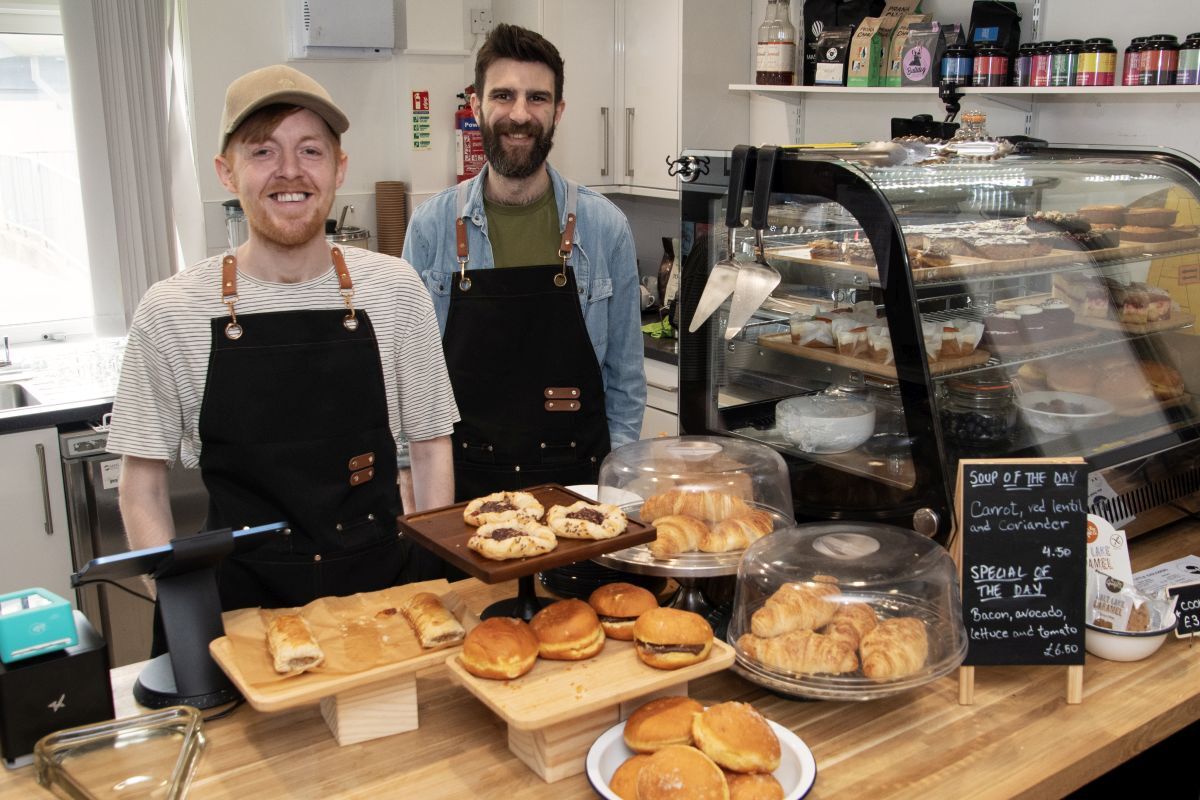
(978, 410)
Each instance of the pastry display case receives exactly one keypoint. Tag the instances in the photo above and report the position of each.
(975, 300)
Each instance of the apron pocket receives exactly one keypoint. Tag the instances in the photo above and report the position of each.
(363, 569)
(476, 453)
(559, 453)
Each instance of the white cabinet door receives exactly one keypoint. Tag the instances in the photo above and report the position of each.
(33, 528)
(658, 423)
(585, 142)
(649, 121)
(662, 400)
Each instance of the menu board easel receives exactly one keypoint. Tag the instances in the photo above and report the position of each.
(1020, 543)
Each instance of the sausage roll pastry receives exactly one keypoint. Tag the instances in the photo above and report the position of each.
(432, 621)
(292, 644)
(584, 520)
(502, 507)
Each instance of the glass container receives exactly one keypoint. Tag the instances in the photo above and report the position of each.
(153, 755)
(978, 410)
(896, 572)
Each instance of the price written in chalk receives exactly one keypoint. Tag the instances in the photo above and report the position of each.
(1024, 538)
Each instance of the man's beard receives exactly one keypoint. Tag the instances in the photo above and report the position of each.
(293, 233)
(520, 163)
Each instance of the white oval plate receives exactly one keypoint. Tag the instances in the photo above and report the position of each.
(796, 774)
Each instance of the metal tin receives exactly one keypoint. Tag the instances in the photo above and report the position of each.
(957, 65)
(991, 67)
(1132, 64)
(1097, 63)
(1040, 64)
(1023, 67)
(1159, 61)
(1187, 72)
(1063, 62)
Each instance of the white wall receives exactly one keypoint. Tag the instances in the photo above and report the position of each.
(227, 38)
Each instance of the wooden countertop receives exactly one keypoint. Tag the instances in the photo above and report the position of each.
(1019, 739)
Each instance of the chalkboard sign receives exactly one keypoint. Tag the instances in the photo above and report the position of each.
(1023, 532)
(1187, 609)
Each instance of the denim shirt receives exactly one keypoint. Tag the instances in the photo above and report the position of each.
(605, 267)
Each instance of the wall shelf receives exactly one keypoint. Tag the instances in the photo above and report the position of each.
(795, 94)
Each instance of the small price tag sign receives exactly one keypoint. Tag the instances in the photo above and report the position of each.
(1022, 548)
(1187, 610)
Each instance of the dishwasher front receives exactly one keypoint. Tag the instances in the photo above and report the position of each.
(90, 475)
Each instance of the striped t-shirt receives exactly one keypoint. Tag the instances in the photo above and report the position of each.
(156, 412)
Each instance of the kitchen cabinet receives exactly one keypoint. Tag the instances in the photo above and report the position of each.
(37, 548)
(638, 74)
(662, 400)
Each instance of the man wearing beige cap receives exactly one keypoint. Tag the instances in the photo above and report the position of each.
(285, 370)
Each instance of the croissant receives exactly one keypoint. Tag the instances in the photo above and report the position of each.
(709, 506)
(800, 651)
(737, 533)
(850, 623)
(896, 648)
(677, 534)
(795, 606)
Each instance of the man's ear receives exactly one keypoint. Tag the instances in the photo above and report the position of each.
(225, 173)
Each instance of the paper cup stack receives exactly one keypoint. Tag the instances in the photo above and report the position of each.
(391, 216)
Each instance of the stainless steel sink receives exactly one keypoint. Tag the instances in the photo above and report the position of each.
(14, 395)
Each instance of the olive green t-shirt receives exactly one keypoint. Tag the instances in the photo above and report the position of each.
(524, 236)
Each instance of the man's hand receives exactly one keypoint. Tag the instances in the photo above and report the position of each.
(432, 473)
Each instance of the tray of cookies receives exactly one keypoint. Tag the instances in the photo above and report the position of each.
(509, 535)
(846, 611)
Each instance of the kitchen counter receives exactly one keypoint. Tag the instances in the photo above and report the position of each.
(73, 382)
(1019, 739)
(665, 350)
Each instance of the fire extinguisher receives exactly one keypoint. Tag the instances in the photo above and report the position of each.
(468, 141)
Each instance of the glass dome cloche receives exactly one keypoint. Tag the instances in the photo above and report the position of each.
(709, 496)
(846, 611)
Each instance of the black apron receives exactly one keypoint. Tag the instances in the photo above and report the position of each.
(294, 427)
(524, 373)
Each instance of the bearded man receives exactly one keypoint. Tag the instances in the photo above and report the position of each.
(285, 371)
(534, 281)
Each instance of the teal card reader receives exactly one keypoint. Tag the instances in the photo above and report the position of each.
(34, 622)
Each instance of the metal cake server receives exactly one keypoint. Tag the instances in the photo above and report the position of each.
(757, 280)
(723, 277)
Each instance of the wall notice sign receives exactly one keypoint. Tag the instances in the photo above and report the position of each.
(422, 128)
(1023, 529)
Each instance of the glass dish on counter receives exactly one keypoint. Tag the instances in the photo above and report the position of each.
(846, 611)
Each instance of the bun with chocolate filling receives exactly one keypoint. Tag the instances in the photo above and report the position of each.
(500, 648)
(667, 638)
(568, 630)
(661, 723)
(619, 605)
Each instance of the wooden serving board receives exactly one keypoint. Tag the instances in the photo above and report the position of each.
(555, 692)
(443, 531)
(783, 343)
(311, 687)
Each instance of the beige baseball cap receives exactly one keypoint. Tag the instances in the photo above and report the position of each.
(277, 84)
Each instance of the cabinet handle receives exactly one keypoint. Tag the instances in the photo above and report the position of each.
(629, 143)
(41, 454)
(662, 387)
(604, 118)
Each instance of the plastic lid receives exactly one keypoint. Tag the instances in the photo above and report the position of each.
(1099, 40)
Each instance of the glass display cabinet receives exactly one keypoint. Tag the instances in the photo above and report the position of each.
(1013, 302)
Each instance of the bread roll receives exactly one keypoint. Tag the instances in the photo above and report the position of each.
(661, 723)
(800, 652)
(677, 534)
(680, 772)
(795, 606)
(896, 648)
(568, 630)
(737, 533)
(432, 622)
(500, 648)
(618, 605)
(708, 505)
(753, 786)
(667, 638)
(624, 781)
(292, 644)
(736, 737)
